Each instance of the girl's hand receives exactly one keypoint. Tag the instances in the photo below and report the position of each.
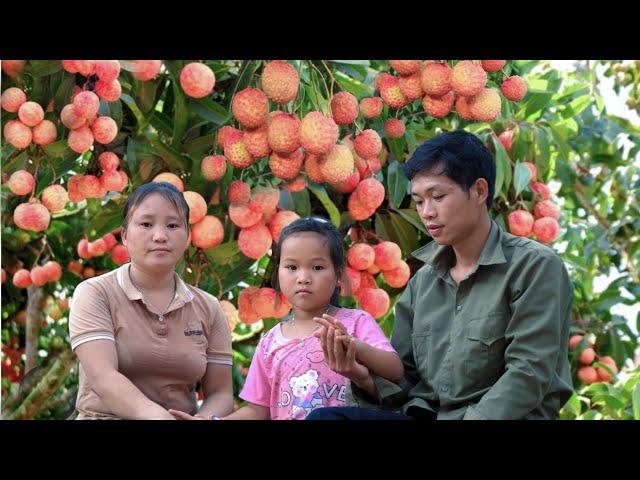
(185, 416)
(340, 352)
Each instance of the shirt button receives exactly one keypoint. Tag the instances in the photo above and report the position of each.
(444, 389)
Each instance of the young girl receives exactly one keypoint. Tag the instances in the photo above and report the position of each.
(289, 375)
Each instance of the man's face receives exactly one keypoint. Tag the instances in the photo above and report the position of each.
(449, 213)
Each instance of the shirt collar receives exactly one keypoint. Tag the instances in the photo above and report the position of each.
(124, 281)
(439, 256)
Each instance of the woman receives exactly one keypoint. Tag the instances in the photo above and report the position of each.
(143, 337)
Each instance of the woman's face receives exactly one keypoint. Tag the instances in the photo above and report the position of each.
(306, 274)
(155, 237)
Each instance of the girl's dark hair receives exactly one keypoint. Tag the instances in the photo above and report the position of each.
(166, 190)
(327, 230)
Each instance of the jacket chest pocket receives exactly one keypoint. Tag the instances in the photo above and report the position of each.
(484, 349)
(420, 343)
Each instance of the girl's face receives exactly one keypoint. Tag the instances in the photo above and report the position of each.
(155, 237)
(306, 273)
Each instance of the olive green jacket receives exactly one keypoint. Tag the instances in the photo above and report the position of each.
(492, 347)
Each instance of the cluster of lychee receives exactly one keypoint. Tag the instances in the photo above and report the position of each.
(443, 88)
(544, 226)
(105, 244)
(107, 86)
(586, 354)
(30, 126)
(256, 303)
(38, 275)
(364, 262)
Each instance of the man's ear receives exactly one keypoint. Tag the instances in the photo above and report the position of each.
(481, 190)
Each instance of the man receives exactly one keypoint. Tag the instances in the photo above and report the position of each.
(482, 328)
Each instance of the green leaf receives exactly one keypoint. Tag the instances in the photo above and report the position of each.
(404, 232)
(63, 93)
(42, 68)
(576, 106)
(503, 168)
(411, 216)
(237, 275)
(58, 149)
(210, 110)
(635, 398)
(302, 202)
(396, 184)
(330, 207)
(224, 253)
(172, 157)
(133, 106)
(352, 85)
(109, 217)
(573, 405)
(521, 177)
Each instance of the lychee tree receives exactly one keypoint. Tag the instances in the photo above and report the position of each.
(256, 144)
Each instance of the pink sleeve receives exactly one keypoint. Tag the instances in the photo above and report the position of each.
(368, 330)
(256, 387)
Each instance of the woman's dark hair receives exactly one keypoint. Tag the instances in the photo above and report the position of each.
(166, 190)
(462, 156)
(322, 227)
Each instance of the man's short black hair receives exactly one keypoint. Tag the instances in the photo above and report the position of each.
(463, 157)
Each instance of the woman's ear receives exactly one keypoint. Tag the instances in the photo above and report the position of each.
(123, 235)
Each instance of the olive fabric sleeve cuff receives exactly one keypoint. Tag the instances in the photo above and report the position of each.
(386, 389)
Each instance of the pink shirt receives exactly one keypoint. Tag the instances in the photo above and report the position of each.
(291, 377)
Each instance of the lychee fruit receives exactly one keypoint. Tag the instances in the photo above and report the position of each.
(493, 65)
(250, 107)
(213, 167)
(344, 108)
(107, 70)
(254, 242)
(197, 80)
(171, 178)
(397, 277)
(145, 70)
(394, 128)
(371, 193)
(546, 229)
(257, 142)
(375, 301)
(405, 67)
(486, 105)
(410, 87)
(391, 93)
(109, 161)
(197, 206)
(546, 208)
(55, 197)
(208, 232)
(30, 113)
(239, 192)
(119, 254)
(506, 138)
(587, 356)
(388, 255)
(32, 216)
(312, 167)
(468, 79)
(318, 133)
(603, 373)
(53, 270)
(109, 91)
(540, 191)
(520, 223)
(80, 140)
(371, 107)
(435, 79)
(44, 133)
(462, 108)
(22, 278)
(279, 221)
(283, 133)
(286, 167)
(104, 130)
(86, 104)
(361, 256)
(367, 143)
(236, 152)
(514, 88)
(21, 182)
(337, 165)
(12, 98)
(70, 118)
(280, 81)
(588, 375)
(438, 107)
(17, 134)
(245, 215)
